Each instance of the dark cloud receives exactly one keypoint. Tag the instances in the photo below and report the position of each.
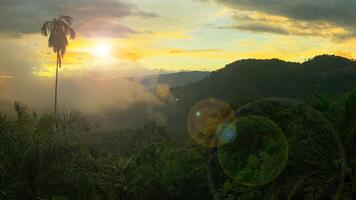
(257, 27)
(146, 14)
(26, 16)
(264, 23)
(334, 12)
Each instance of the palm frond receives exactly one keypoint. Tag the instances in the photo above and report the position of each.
(67, 19)
(46, 27)
(21, 110)
(71, 32)
(58, 29)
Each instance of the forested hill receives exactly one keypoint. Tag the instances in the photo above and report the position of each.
(249, 79)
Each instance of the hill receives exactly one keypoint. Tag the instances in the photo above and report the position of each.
(250, 79)
(245, 80)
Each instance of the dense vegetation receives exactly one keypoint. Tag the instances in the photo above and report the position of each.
(278, 148)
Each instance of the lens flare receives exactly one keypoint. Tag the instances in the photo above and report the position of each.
(254, 152)
(204, 119)
(305, 129)
(226, 133)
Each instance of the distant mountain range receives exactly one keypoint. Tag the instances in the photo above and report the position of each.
(174, 79)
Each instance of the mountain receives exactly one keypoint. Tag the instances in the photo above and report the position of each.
(174, 79)
(245, 80)
(250, 79)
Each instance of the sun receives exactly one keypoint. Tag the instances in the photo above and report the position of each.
(102, 50)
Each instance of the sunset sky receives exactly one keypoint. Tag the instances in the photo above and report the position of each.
(125, 37)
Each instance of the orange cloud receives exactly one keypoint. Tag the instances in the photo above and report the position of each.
(5, 76)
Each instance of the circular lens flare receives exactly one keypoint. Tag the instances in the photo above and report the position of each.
(204, 119)
(253, 152)
(226, 133)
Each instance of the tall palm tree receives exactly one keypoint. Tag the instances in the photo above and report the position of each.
(58, 28)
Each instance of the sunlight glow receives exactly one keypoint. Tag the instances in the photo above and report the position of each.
(102, 50)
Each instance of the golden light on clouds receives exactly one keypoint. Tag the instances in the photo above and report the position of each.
(148, 50)
(220, 36)
(123, 38)
(255, 21)
(5, 76)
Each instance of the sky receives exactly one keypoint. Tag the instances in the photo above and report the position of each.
(118, 38)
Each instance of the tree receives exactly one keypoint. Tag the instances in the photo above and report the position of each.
(58, 28)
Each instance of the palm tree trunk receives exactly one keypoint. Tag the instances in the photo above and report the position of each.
(56, 84)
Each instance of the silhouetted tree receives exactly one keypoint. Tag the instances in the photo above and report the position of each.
(58, 28)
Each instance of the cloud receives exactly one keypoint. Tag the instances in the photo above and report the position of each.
(5, 76)
(257, 27)
(87, 93)
(16, 59)
(85, 85)
(254, 21)
(330, 13)
(104, 28)
(26, 16)
(184, 51)
(335, 11)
